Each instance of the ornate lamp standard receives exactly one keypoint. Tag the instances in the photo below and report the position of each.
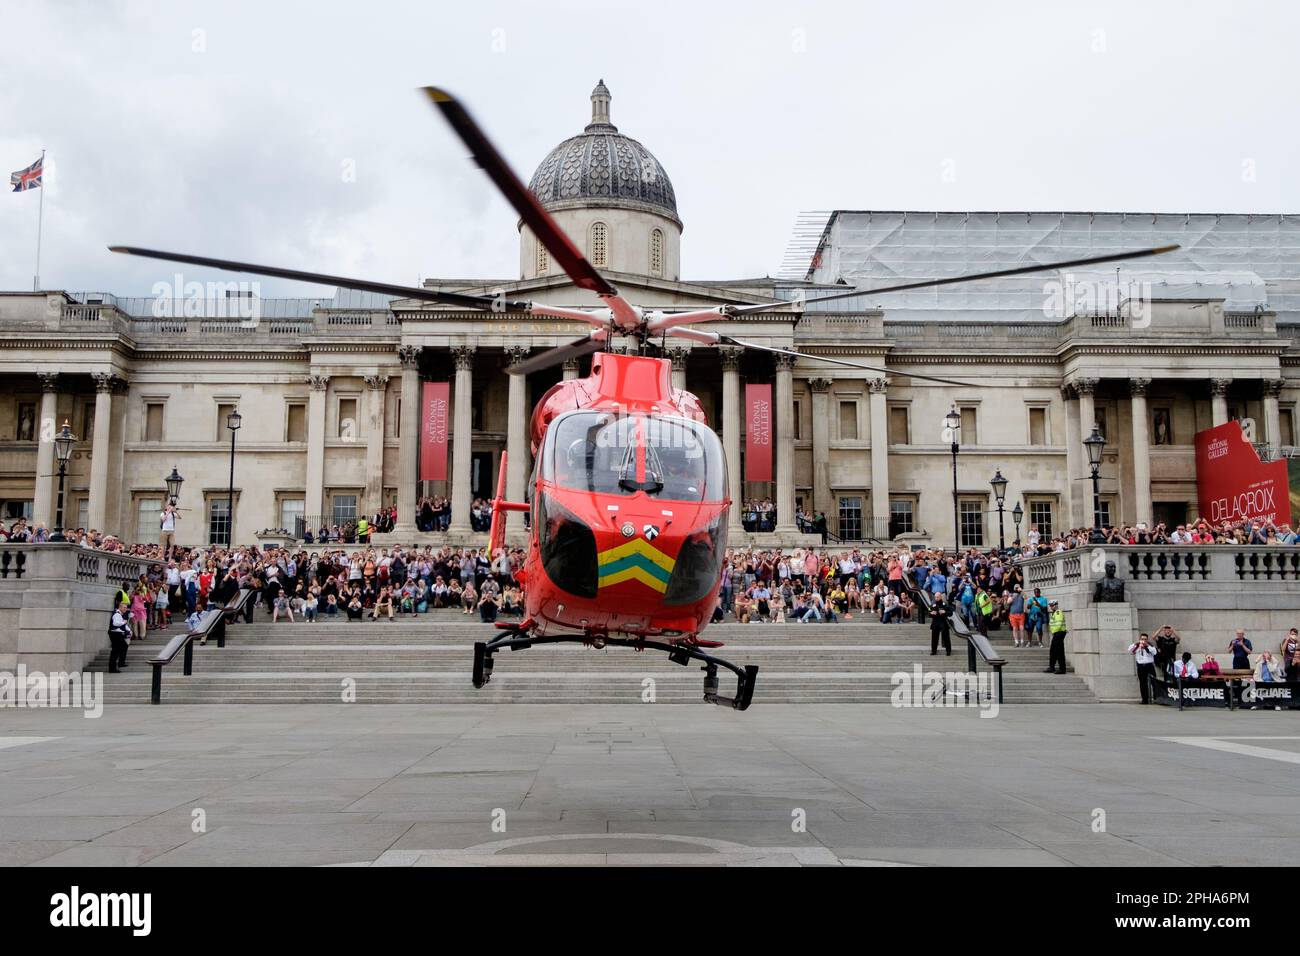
(174, 482)
(1000, 493)
(952, 431)
(1016, 514)
(63, 443)
(233, 421)
(1095, 445)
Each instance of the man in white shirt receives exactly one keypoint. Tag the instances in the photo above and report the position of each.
(167, 533)
(1186, 668)
(1145, 654)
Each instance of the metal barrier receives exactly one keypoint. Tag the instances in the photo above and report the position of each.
(975, 641)
(212, 625)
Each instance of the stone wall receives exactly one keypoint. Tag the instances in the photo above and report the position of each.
(55, 603)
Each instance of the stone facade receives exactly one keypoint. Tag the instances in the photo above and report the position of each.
(329, 389)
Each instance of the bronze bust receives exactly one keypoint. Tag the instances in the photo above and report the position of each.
(1109, 589)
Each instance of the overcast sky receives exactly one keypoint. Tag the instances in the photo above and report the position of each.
(291, 133)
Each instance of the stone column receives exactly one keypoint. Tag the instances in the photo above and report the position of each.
(821, 445)
(1219, 400)
(516, 437)
(679, 356)
(97, 509)
(879, 455)
(47, 425)
(408, 451)
(730, 357)
(1087, 421)
(462, 439)
(570, 369)
(1141, 449)
(378, 385)
(785, 443)
(315, 491)
(1272, 414)
(1072, 492)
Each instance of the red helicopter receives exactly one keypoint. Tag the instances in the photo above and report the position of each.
(628, 496)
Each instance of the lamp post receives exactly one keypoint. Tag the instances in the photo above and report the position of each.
(1095, 445)
(63, 442)
(233, 421)
(174, 482)
(952, 431)
(1016, 514)
(1000, 493)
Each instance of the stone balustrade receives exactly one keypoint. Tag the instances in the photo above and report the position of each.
(55, 603)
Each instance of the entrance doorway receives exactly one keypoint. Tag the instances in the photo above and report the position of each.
(1170, 513)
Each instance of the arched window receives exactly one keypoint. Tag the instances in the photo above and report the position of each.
(657, 252)
(543, 260)
(598, 244)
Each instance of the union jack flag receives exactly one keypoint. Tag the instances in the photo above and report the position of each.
(29, 178)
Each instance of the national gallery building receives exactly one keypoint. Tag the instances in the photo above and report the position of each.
(329, 389)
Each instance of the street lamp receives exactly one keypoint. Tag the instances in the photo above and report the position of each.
(1095, 445)
(952, 431)
(233, 421)
(174, 482)
(1016, 514)
(1000, 493)
(63, 443)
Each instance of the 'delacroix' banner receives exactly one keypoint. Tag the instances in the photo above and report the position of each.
(758, 432)
(1215, 694)
(433, 431)
(1232, 484)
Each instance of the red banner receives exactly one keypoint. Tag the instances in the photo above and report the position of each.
(433, 431)
(758, 432)
(1233, 485)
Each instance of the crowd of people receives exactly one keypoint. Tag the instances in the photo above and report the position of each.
(1159, 656)
(1200, 532)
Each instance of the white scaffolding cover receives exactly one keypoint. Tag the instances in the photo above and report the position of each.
(1250, 261)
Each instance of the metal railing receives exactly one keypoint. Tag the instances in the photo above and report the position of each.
(976, 643)
(212, 625)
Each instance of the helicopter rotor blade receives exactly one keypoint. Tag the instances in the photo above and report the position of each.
(592, 342)
(484, 303)
(715, 338)
(952, 280)
(530, 210)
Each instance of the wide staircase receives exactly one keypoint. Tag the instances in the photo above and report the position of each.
(428, 660)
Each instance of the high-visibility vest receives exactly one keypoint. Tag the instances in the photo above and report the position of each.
(984, 602)
(1057, 621)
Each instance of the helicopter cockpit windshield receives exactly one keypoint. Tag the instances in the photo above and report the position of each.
(606, 453)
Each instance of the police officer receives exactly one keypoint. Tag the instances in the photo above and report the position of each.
(939, 626)
(119, 632)
(1056, 624)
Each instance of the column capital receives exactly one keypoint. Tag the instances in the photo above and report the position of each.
(517, 353)
(1085, 386)
(730, 357)
(878, 386)
(1137, 387)
(678, 355)
(819, 385)
(103, 381)
(376, 382)
(49, 381)
(1220, 386)
(318, 383)
(1273, 387)
(120, 385)
(409, 355)
(1067, 392)
(784, 363)
(571, 365)
(463, 356)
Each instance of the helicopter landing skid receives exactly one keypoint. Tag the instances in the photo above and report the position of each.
(516, 639)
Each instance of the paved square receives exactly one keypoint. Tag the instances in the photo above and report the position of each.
(656, 783)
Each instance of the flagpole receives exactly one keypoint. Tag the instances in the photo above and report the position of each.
(40, 221)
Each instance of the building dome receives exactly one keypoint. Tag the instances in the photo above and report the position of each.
(600, 167)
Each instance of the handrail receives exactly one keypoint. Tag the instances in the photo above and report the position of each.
(975, 641)
(212, 625)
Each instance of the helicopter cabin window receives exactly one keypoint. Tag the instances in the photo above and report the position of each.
(657, 252)
(669, 458)
(599, 241)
